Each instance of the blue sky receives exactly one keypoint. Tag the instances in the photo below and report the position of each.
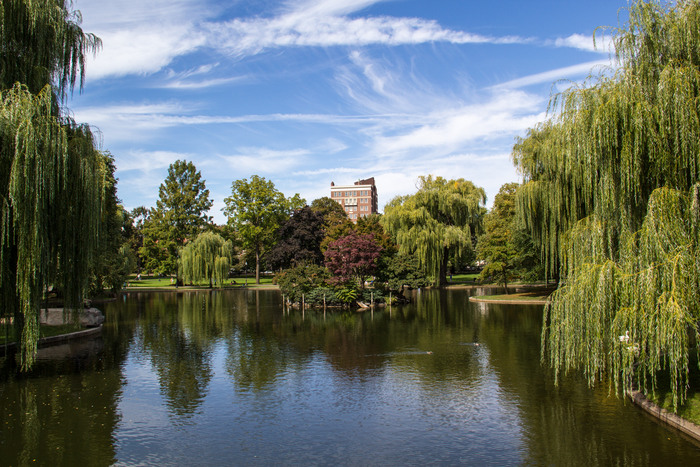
(308, 92)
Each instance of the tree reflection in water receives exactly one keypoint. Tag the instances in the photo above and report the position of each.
(234, 369)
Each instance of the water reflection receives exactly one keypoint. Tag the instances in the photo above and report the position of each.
(231, 378)
(64, 412)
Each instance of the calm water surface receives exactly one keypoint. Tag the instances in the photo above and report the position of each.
(231, 378)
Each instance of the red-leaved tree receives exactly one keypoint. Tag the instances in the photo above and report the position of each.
(353, 257)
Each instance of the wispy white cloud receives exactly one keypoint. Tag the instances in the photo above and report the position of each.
(332, 170)
(142, 51)
(577, 41)
(143, 37)
(299, 29)
(181, 84)
(601, 44)
(133, 122)
(574, 71)
(382, 87)
(149, 160)
(507, 113)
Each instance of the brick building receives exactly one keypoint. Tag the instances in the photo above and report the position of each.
(358, 200)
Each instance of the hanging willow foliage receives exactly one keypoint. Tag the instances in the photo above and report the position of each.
(42, 43)
(51, 174)
(442, 215)
(207, 258)
(51, 190)
(611, 198)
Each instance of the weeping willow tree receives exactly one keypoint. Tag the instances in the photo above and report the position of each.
(208, 258)
(51, 173)
(440, 218)
(611, 197)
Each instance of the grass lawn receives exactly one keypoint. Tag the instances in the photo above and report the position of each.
(664, 398)
(461, 279)
(538, 293)
(46, 331)
(156, 281)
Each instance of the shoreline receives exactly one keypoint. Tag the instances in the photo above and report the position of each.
(666, 418)
(59, 339)
(514, 301)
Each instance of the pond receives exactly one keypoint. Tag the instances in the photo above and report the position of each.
(233, 378)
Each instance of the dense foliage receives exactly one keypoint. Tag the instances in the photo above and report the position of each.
(114, 259)
(328, 208)
(256, 209)
(208, 258)
(611, 199)
(353, 258)
(51, 173)
(300, 239)
(439, 219)
(402, 271)
(506, 247)
(180, 216)
(301, 279)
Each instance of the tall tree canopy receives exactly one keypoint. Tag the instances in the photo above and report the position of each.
(506, 247)
(256, 209)
(328, 208)
(51, 173)
(497, 246)
(612, 200)
(180, 215)
(441, 216)
(371, 224)
(300, 239)
(138, 217)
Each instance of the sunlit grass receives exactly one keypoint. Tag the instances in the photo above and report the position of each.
(169, 281)
(512, 296)
(690, 410)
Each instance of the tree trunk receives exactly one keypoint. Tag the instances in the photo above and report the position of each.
(442, 280)
(505, 279)
(257, 266)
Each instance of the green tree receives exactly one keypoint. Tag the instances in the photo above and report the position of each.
(335, 220)
(439, 218)
(51, 173)
(179, 216)
(138, 217)
(300, 239)
(256, 210)
(328, 207)
(207, 258)
(401, 271)
(336, 227)
(301, 279)
(497, 245)
(372, 225)
(113, 260)
(611, 199)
